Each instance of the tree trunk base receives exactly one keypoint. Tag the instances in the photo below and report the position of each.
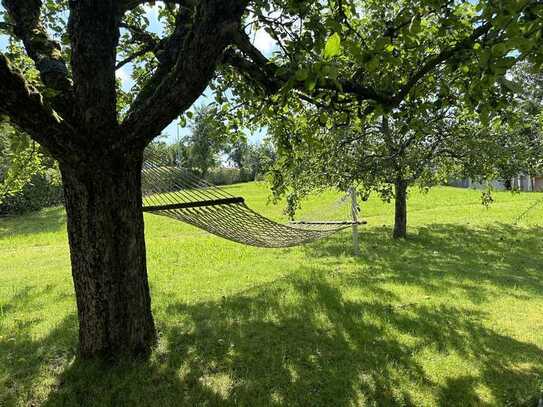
(107, 246)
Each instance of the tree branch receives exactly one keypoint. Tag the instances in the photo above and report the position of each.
(253, 72)
(6, 26)
(440, 58)
(133, 56)
(131, 4)
(94, 33)
(259, 65)
(167, 55)
(141, 35)
(149, 41)
(25, 108)
(345, 20)
(45, 52)
(186, 68)
(264, 72)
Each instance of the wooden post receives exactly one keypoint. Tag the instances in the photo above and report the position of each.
(354, 214)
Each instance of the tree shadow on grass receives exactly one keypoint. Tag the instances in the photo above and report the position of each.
(27, 357)
(507, 257)
(300, 342)
(305, 340)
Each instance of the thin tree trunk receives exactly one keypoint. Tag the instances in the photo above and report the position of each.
(107, 246)
(400, 210)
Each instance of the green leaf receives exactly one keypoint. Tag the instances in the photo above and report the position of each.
(310, 84)
(301, 75)
(333, 46)
(323, 118)
(372, 65)
(390, 48)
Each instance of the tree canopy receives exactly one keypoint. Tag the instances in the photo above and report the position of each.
(430, 71)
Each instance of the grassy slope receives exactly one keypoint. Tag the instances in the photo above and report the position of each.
(452, 316)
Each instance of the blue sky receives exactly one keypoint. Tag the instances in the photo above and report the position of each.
(261, 40)
(3, 40)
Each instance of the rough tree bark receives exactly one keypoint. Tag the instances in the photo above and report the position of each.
(400, 209)
(107, 246)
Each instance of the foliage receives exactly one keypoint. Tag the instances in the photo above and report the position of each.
(20, 158)
(260, 159)
(421, 142)
(20, 161)
(237, 152)
(163, 152)
(210, 146)
(253, 162)
(346, 51)
(207, 139)
(43, 190)
(29, 177)
(523, 129)
(256, 159)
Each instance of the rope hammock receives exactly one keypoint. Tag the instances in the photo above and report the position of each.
(177, 193)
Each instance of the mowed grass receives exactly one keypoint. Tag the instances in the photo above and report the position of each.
(452, 316)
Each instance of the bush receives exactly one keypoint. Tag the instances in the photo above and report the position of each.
(43, 191)
(228, 176)
(46, 190)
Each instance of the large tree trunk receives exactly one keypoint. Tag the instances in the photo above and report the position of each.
(400, 210)
(106, 235)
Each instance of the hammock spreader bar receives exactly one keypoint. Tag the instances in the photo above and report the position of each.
(327, 222)
(196, 204)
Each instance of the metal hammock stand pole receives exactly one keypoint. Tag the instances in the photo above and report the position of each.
(354, 214)
(177, 193)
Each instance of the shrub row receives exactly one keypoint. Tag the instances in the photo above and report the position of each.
(41, 192)
(44, 192)
(228, 176)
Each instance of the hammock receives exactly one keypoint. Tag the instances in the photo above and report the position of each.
(177, 193)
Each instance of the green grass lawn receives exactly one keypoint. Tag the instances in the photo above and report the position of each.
(453, 316)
